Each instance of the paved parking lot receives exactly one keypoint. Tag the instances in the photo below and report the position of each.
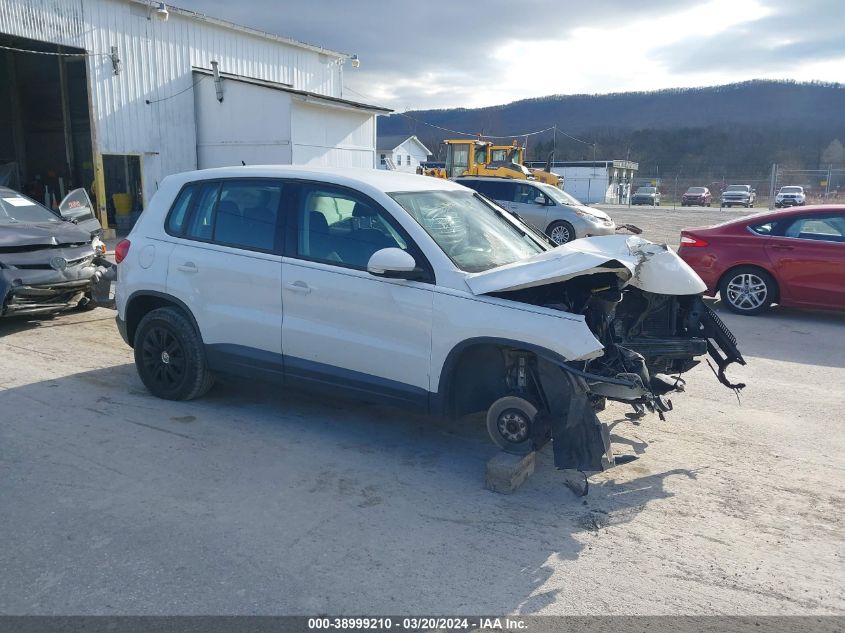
(664, 224)
(258, 500)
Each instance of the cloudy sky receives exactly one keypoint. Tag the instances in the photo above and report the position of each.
(417, 54)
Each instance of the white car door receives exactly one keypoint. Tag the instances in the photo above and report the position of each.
(344, 326)
(226, 267)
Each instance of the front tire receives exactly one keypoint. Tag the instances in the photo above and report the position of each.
(561, 232)
(748, 290)
(169, 356)
(509, 422)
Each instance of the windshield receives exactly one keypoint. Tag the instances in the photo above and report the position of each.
(790, 189)
(646, 190)
(696, 190)
(15, 209)
(474, 234)
(737, 188)
(558, 196)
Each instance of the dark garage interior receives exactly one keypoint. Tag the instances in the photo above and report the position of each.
(45, 129)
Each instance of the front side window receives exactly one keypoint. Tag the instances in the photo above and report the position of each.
(826, 228)
(339, 227)
(475, 235)
(525, 194)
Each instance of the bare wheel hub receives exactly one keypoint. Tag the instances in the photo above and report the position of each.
(513, 425)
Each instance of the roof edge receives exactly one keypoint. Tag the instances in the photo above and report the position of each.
(273, 85)
(195, 15)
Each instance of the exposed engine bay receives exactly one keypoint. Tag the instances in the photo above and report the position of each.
(650, 340)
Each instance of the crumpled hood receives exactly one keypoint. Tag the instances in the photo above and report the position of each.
(14, 235)
(651, 267)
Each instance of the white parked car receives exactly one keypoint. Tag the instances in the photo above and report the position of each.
(413, 290)
(790, 196)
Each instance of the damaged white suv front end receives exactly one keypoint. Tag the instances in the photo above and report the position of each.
(644, 310)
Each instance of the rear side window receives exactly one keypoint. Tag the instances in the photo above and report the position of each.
(179, 210)
(246, 214)
(765, 228)
(201, 225)
(242, 213)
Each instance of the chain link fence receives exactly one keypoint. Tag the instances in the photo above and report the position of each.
(821, 186)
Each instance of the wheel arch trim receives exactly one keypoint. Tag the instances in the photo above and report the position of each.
(131, 326)
(442, 397)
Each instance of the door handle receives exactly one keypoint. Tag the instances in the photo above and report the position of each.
(782, 247)
(188, 267)
(299, 287)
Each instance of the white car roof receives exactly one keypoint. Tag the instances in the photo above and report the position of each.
(378, 179)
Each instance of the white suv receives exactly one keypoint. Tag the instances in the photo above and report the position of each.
(409, 289)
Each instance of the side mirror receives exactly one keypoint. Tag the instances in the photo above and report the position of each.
(540, 200)
(393, 263)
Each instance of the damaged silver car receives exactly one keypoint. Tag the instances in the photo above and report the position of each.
(49, 261)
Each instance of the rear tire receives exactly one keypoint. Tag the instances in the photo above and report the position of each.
(169, 356)
(509, 422)
(561, 232)
(747, 290)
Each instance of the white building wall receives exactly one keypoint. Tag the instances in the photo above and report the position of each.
(327, 135)
(156, 65)
(587, 184)
(251, 124)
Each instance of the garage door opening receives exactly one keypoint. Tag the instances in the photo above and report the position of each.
(124, 189)
(45, 125)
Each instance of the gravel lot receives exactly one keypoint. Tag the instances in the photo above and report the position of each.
(256, 500)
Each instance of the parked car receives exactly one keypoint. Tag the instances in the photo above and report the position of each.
(697, 196)
(50, 261)
(545, 207)
(790, 196)
(646, 195)
(793, 258)
(416, 291)
(743, 195)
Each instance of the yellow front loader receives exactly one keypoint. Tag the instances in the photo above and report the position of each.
(471, 157)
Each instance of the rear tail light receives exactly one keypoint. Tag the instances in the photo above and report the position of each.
(121, 250)
(691, 240)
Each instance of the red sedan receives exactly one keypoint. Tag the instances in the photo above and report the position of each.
(792, 257)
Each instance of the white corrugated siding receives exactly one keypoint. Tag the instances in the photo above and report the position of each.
(156, 61)
(329, 136)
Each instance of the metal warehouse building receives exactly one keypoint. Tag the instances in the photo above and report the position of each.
(114, 95)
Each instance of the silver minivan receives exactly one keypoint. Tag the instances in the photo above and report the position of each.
(547, 208)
